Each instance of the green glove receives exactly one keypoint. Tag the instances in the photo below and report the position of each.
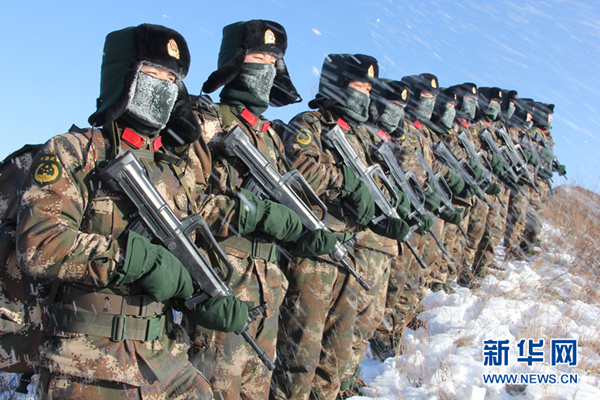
(493, 189)
(392, 228)
(544, 173)
(546, 155)
(452, 217)
(225, 314)
(426, 223)
(403, 206)
(315, 243)
(357, 196)
(560, 168)
(531, 158)
(432, 199)
(478, 171)
(155, 268)
(469, 191)
(496, 164)
(268, 217)
(455, 182)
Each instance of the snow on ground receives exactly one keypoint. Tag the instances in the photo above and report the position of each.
(525, 300)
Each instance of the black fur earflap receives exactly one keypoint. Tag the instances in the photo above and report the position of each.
(183, 127)
(258, 36)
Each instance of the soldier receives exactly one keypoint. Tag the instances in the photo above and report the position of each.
(419, 136)
(316, 330)
(111, 331)
(519, 125)
(406, 287)
(495, 223)
(253, 74)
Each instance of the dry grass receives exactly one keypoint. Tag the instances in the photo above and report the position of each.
(575, 212)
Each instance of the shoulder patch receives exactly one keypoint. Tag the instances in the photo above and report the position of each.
(48, 170)
(304, 137)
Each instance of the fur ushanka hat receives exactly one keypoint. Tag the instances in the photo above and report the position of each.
(420, 83)
(337, 72)
(255, 36)
(125, 51)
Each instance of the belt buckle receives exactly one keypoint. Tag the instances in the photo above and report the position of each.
(154, 328)
(119, 326)
(256, 248)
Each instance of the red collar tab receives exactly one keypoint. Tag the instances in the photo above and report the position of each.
(249, 117)
(384, 136)
(265, 126)
(157, 144)
(132, 138)
(487, 122)
(343, 124)
(418, 124)
(464, 123)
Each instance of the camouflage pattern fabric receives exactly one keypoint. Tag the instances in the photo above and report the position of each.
(68, 229)
(232, 366)
(515, 222)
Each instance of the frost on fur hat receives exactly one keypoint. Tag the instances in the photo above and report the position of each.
(255, 36)
(338, 71)
(125, 51)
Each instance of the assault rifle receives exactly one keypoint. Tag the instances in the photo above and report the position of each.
(336, 140)
(446, 157)
(408, 183)
(517, 158)
(507, 170)
(156, 220)
(529, 145)
(266, 182)
(486, 179)
(441, 186)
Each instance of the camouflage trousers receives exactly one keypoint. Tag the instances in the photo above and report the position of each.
(185, 384)
(515, 221)
(495, 225)
(533, 221)
(473, 224)
(406, 290)
(315, 329)
(226, 359)
(374, 257)
(443, 270)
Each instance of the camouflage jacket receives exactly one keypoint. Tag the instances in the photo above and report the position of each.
(69, 230)
(320, 165)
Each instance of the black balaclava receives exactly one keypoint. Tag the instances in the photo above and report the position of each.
(390, 97)
(490, 110)
(147, 104)
(253, 86)
(337, 72)
(421, 108)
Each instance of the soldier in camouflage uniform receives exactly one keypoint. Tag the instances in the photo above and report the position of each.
(495, 224)
(73, 231)
(541, 138)
(519, 125)
(315, 340)
(405, 286)
(419, 136)
(254, 75)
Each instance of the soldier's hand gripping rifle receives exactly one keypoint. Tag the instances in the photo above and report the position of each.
(486, 179)
(529, 145)
(441, 186)
(156, 220)
(517, 158)
(409, 185)
(336, 140)
(508, 174)
(446, 157)
(267, 183)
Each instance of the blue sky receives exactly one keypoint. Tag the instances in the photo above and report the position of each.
(547, 50)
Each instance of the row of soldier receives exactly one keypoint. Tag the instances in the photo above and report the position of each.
(431, 214)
